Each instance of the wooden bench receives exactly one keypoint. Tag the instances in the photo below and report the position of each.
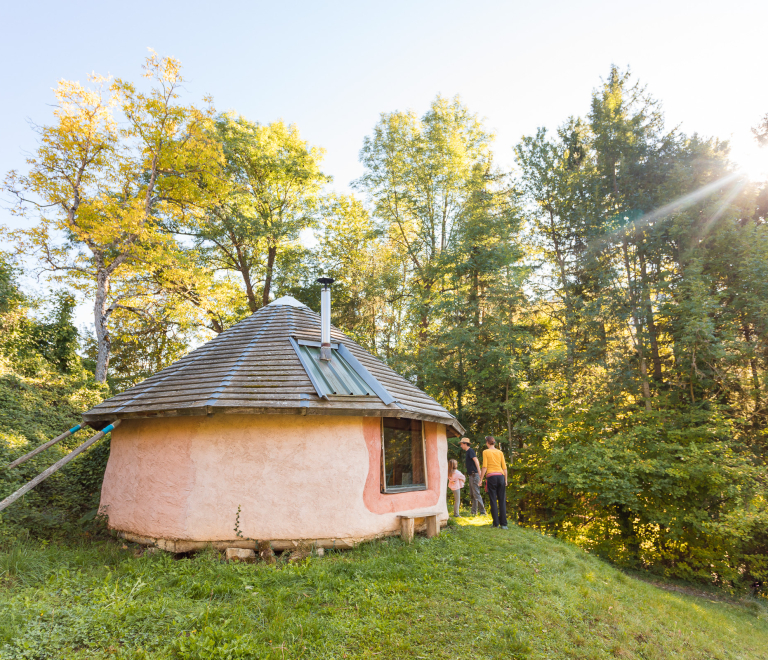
(408, 524)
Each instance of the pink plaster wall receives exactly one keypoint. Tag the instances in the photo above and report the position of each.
(294, 477)
(379, 502)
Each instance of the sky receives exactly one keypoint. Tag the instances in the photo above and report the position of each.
(333, 67)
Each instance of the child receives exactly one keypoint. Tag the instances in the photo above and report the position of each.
(455, 482)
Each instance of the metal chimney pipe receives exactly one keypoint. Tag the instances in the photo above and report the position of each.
(325, 317)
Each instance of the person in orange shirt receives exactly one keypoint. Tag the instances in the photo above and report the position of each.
(495, 470)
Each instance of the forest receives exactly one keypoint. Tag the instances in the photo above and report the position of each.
(601, 307)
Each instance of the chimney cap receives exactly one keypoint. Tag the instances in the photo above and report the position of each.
(325, 281)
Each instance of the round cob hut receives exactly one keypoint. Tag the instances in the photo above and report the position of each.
(280, 429)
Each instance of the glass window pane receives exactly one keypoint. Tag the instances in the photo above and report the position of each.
(403, 453)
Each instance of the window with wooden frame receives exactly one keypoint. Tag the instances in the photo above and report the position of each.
(403, 455)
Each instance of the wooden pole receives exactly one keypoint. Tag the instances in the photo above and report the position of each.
(50, 443)
(56, 466)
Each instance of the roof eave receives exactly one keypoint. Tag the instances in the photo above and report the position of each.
(395, 411)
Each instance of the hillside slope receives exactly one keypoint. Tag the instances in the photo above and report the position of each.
(36, 407)
(474, 592)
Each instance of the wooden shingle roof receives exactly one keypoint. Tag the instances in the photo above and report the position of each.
(253, 368)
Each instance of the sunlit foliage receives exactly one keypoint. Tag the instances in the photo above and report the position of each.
(602, 309)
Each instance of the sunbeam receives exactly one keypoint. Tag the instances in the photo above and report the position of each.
(681, 203)
(721, 208)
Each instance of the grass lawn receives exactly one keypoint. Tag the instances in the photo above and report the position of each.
(474, 592)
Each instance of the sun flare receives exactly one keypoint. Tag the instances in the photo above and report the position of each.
(755, 165)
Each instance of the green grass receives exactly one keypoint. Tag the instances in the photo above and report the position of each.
(474, 592)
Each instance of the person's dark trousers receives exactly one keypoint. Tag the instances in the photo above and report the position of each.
(497, 492)
(474, 490)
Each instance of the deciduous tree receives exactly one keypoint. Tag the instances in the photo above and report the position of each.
(100, 188)
(272, 192)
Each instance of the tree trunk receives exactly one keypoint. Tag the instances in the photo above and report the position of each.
(752, 365)
(474, 297)
(423, 335)
(215, 324)
(512, 446)
(460, 386)
(628, 533)
(638, 336)
(100, 318)
(652, 330)
(644, 375)
(243, 264)
(251, 295)
(569, 343)
(424, 313)
(271, 252)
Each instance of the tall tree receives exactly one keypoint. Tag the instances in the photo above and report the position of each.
(102, 186)
(360, 257)
(450, 220)
(272, 193)
(555, 180)
(418, 181)
(649, 249)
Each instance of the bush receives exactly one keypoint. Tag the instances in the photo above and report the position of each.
(44, 389)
